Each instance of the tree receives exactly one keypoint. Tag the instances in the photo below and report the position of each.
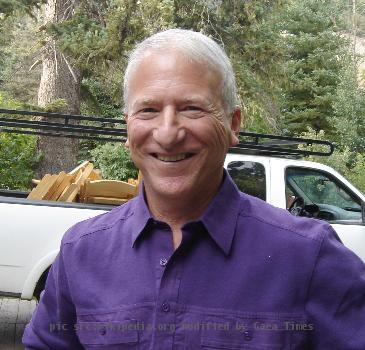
(99, 37)
(349, 110)
(316, 52)
(59, 80)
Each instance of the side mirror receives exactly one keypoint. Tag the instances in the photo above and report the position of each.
(363, 211)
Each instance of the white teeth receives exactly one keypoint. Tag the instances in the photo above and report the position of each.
(172, 158)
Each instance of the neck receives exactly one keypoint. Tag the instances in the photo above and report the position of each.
(177, 211)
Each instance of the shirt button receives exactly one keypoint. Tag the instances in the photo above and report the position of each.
(247, 336)
(165, 307)
(163, 261)
(102, 331)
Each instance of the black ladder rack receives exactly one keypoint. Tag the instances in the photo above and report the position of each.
(114, 130)
(62, 125)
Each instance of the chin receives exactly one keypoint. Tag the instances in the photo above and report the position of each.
(171, 187)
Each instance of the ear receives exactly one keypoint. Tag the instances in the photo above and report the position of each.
(235, 127)
(127, 142)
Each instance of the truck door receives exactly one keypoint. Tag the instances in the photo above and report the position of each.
(319, 194)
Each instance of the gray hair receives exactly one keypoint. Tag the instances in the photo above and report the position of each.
(197, 47)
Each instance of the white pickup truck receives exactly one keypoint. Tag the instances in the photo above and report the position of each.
(31, 231)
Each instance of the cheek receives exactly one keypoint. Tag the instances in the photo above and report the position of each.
(137, 133)
(220, 134)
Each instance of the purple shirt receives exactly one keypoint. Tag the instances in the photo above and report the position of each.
(247, 275)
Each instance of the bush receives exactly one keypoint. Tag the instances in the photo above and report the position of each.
(17, 161)
(114, 161)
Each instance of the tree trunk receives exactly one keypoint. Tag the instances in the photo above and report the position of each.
(58, 81)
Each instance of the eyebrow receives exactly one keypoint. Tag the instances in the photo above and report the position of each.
(195, 99)
(186, 100)
(145, 101)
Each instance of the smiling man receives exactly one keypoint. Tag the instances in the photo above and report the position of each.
(179, 133)
(192, 263)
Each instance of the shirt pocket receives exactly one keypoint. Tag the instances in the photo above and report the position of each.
(235, 333)
(108, 334)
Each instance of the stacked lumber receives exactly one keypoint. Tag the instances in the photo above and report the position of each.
(84, 184)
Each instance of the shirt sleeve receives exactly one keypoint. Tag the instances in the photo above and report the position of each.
(53, 322)
(336, 297)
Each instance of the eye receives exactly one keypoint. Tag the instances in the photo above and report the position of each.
(148, 110)
(192, 111)
(192, 108)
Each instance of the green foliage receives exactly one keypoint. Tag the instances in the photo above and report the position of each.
(99, 36)
(250, 35)
(315, 52)
(17, 160)
(18, 53)
(292, 65)
(97, 101)
(8, 7)
(348, 163)
(114, 161)
(9, 102)
(349, 110)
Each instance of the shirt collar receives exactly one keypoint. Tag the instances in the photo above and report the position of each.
(141, 215)
(219, 219)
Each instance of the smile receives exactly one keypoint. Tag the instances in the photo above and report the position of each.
(172, 158)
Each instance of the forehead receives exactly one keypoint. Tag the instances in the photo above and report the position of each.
(172, 72)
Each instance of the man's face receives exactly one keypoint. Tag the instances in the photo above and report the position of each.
(178, 133)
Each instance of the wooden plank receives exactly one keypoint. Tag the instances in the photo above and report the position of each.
(106, 200)
(47, 186)
(59, 178)
(79, 167)
(73, 190)
(95, 175)
(85, 174)
(69, 195)
(69, 192)
(65, 183)
(44, 187)
(34, 194)
(109, 188)
(82, 192)
(139, 181)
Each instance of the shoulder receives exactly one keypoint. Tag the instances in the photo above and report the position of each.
(279, 222)
(103, 222)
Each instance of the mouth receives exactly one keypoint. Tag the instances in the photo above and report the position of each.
(173, 158)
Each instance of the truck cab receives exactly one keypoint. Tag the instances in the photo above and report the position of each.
(305, 189)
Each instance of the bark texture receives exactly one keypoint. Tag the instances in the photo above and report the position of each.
(58, 81)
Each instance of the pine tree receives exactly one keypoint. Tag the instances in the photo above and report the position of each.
(315, 52)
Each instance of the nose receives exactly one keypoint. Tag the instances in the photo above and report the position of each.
(169, 131)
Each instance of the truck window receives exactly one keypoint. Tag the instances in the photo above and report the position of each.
(249, 177)
(334, 200)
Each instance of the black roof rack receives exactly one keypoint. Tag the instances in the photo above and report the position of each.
(114, 130)
(62, 125)
(277, 145)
